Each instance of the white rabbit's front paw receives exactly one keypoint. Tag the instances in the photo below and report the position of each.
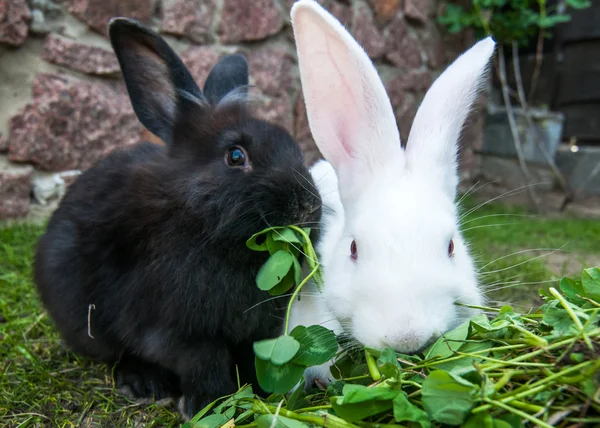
(318, 375)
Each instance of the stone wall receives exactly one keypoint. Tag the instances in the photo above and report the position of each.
(63, 105)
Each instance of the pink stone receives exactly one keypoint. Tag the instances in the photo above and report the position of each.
(71, 124)
(190, 18)
(303, 135)
(271, 68)
(367, 34)
(405, 105)
(79, 56)
(277, 110)
(199, 60)
(15, 187)
(341, 11)
(402, 50)
(385, 9)
(3, 144)
(249, 20)
(433, 46)
(416, 81)
(418, 10)
(97, 13)
(14, 21)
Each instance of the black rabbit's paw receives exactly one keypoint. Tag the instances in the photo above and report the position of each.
(189, 405)
(147, 382)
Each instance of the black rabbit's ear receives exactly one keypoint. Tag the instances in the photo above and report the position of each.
(154, 75)
(230, 73)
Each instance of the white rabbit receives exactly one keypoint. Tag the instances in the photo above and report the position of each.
(394, 262)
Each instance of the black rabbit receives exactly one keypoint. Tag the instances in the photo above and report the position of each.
(144, 264)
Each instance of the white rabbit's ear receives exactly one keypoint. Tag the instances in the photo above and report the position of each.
(433, 140)
(349, 112)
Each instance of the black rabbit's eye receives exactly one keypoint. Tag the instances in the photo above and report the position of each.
(451, 248)
(353, 250)
(236, 157)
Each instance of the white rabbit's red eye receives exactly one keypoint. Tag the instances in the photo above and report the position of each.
(353, 251)
(236, 157)
(451, 248)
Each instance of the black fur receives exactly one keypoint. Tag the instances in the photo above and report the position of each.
(154, 238)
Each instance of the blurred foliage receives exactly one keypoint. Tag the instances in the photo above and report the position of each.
(508, 21)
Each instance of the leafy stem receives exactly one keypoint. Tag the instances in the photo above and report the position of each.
(296, 292)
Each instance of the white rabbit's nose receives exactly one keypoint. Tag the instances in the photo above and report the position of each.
(407, 342)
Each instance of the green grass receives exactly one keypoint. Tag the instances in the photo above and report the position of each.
(517, 253)
(43, 384)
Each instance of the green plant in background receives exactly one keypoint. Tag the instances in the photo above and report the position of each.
(507, 21)
(513, 23)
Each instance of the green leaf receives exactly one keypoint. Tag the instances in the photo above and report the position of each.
(288, 235)
(278, 351)
(578, 4)
(360, 393)
(591, 283)
(274, 270)
(212, 421)
(286, 284)
(360, 402)
(266, 421)
(404, 410)
(257, 242)
(572, 288)
(446, 345)
(358, 412)
(448, 398)
(388, 365)
(317, 345)
(552, 20)
(465, 365)
(297, 272)
(278, 379)
(274, 246)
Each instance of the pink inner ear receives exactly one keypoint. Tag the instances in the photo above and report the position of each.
(331, 85)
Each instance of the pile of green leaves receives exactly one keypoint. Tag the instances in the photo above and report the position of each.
(501, 371)
(507, 20)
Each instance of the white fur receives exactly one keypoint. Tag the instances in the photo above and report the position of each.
(398, 205)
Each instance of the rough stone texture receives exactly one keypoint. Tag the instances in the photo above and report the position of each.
(190, 18)
(71, 124)
(276, 109)
(433, 45)
(46, 16)
(14, 21)
(97, 13)
(419, 10)
(406, 105)
(385, 9)
(271, 69)
(341, 10)
(303, 135)
(199, 60)
(402, 50)
(253, 20)
(367, 34)
(79, 56)
(415, 81)
(15, 188)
